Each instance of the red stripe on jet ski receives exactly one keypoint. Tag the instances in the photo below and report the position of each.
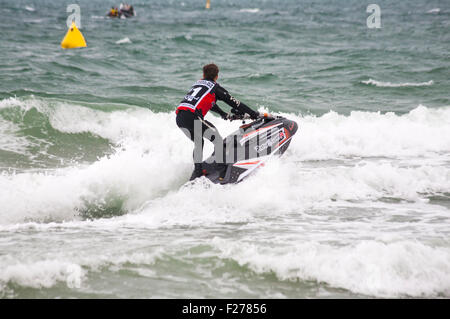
(248, 163)
(262, 128)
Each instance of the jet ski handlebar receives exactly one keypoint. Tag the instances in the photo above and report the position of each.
(245, 116)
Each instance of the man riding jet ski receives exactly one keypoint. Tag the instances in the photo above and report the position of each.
(198, 101)
(113, 13)
(202, 98)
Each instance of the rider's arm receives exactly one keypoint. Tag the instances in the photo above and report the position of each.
(223, 95)
(219, 111)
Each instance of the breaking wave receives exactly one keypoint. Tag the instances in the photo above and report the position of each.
(151, 160)
(396, 85)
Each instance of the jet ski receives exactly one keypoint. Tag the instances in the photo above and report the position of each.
(249, 148)
(127, 11)
(124, 11)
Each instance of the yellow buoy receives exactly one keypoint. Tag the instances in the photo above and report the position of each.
(208, 4)
(73, 38)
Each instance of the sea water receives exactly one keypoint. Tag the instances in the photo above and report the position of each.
(93, 201)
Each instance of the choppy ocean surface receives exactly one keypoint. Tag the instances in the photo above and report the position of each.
(92, 165)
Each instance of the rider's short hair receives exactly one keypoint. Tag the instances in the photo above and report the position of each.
(210, 71)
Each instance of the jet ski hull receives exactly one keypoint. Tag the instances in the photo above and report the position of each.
(249, 148)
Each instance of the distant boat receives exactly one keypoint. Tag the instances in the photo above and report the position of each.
(124, 11)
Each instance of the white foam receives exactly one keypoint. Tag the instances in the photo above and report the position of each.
(249, 10)
(148, 167)
(60, 195)
(31, 9)
(35, 272)
(291, 189)
(63, 193)
(434, 10)
(45, 273)
(12, 102)
(422, 132)
(9, 140)
(153, 159)
(375, 268)
(124, 40)
(33, 20)
(389, 84)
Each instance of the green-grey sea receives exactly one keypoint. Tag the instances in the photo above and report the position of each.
(93, 169)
